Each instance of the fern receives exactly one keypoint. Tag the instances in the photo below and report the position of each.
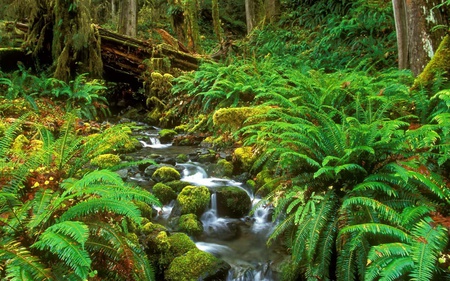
(66, 239)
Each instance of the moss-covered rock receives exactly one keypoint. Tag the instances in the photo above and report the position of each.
(166, 135)
(166, 174)
(193, 199)
(190, 224)
(196, 265)
(104, 161)
(182, 158)
(232, 202)
(234, 118)
(164, 193)
(223, 168)
(177, 185)
(263, 182)
(173, 246)
(244, 158)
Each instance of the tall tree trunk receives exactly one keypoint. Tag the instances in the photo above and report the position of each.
(128, 18)
(272, 8)
(415, 20)
(402, 33)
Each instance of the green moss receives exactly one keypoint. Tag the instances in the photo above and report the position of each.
(104, 161)
(166, 135)
(164, 193)
(182, 158)
(194, 199)
(233, 201)
(166, 174)
(263, 182)
(19, 144)
(192, 266)
(190, 224)
(234, 118)
(245, 157)
(150, 227)
(181, 128)
(440, 63)
(177, 185)
(225, 168)
(173, 246)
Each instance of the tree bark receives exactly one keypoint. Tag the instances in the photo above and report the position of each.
(272, 8)
(128, 18)
(415, 21)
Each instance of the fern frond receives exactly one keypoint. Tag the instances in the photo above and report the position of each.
(430, 240)
(41, 210)
(66, 240)
(381, 209)
(281, 227)
(95, 205)
(21, 262)
(376, 229)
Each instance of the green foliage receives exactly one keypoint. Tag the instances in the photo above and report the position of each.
(194, 199)
(48, 219)
(82, 96)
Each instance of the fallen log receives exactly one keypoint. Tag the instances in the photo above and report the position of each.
(129, 58)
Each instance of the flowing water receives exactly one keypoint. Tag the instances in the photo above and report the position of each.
(246, 252)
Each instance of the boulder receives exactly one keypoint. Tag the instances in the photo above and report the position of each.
(232, 202)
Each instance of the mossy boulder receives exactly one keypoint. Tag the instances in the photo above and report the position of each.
(182, 158)
(223, 168)
(197, 265)
(234, 118)
(164, 193)
(177, 185)
(175, 245)
(166, 135)
(193, 199)
(190, 224)
(244, 158)
(104, 161)
(232, 202)
(166, 174)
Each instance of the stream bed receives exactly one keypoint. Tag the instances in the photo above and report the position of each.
(241, 242)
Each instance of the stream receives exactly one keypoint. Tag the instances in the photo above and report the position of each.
(247, 254)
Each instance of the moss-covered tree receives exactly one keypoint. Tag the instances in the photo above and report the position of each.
(62, 38)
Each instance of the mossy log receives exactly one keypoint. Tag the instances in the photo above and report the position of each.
(128, 58)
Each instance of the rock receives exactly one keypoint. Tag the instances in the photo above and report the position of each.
(166, 174)
(197, 265)
(164, 193)
(123, 173)
(232, 202)
(190, 224)
(223, 168)
(193, 199)
(166, 135)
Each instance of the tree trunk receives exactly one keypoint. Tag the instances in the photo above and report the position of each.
(128, 18)
(402, 33)
(272, 8)
(415, 20)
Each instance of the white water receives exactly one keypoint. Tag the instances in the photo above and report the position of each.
(244, 250)
(153, 141)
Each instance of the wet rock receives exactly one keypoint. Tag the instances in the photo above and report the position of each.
(232, 202)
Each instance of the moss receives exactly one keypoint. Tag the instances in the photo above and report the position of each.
(146, 209)
(177, 185)
(194, 199)
(440, 63)
(190, 224)
(19, 144)
(173, 246)
(166, 135)
(182, 158)
(245, 157)
(181, 128)
(262, 181)
(166, 174)
(234, 118)
(105, 160)
(225, 168)
(192, 266)
(151, 227)
(164, 193)
(233, 202)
